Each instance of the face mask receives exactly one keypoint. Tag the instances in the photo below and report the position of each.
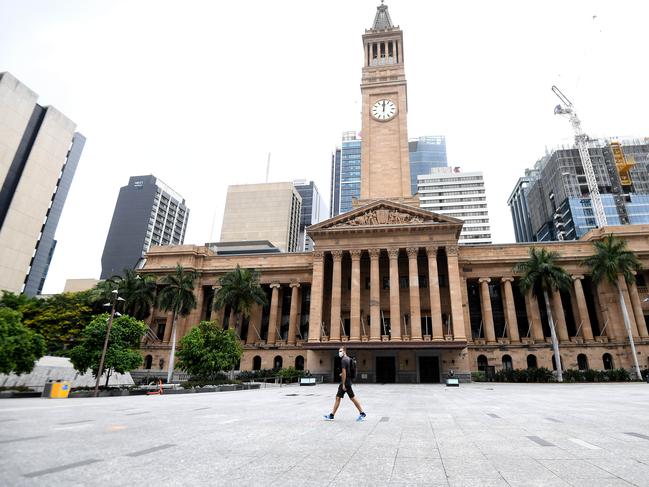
(340, 354)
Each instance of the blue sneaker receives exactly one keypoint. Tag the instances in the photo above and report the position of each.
(361, 417)
(328, 417)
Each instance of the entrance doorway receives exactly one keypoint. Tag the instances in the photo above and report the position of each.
(429, 370)
(386, 371)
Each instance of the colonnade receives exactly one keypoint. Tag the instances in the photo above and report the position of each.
(317, 326)
(580, 309)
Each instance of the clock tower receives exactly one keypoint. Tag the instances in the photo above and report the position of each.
(385, 166)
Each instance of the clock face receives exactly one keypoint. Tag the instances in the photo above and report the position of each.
(383, 110)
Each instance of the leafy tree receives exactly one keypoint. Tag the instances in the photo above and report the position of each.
(614, 263)
(208, 349)
(541, 272)
(240, 290)
(139, 293)
(20, 347)
(60, 319)
(177, 296)
(122, 354)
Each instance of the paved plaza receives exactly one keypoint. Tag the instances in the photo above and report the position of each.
(478, 434)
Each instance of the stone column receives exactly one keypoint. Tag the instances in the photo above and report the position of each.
(637, 310)
(487, 314)
(559, 317)
(455, 291)
(216, 313)
(292, 320)
(582, 307)
(415, 303)
(315, 311)
(254, 324)
(510, 310)
(621, 282)
(395, 305)
(534, 316)
(375, 296)
(355, 307)
(334, 330)
(433, 288)
(272, 320)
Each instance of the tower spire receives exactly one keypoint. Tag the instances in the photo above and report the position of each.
(382, 18)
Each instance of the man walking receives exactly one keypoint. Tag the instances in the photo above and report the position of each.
(345, 387)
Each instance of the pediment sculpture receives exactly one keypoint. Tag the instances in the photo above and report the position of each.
(381, 217)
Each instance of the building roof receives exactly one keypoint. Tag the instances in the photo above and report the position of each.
(382, 18)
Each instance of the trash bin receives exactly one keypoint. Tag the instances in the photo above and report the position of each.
(59, 389)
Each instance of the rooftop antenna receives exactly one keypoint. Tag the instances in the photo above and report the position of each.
(267, 167)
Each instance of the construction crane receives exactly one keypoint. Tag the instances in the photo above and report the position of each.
(567, 108)
(623, 164)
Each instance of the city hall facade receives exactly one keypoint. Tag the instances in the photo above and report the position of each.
(389, 281)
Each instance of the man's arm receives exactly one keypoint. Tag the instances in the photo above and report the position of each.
(344, 378)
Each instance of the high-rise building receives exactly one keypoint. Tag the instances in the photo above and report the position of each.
(266, 211)
(147, 213)
(39, 154)
(314, 210)
(558, 198)
(448, 191)
(346, 174)
(517, 203)
(425, 153)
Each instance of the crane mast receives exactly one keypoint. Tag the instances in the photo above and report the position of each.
(566, 108)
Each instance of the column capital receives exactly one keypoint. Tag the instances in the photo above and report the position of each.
(337, 255)
(355, 254)
(275, 285)
(451, 250)
(412, 252)
(374, 253)
(294, 284)
(432, 250)
(393, 253)
(507, 279)
(484, 279)
(578, 277)
(318, 255)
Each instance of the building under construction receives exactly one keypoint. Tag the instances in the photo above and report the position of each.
(557, 196)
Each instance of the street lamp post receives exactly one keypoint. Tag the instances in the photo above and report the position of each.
(115, 299)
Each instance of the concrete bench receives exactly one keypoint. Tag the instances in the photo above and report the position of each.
(307, 381)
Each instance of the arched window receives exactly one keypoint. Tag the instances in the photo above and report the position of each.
(482, 363)
(507, 362)
(256, 362)
(277, 362)
(531, 361)
(607, 358)
(554, 363)
(582, 361)
(299, 362)
(148, 362)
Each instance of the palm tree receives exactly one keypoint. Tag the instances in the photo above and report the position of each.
(541, 272)
(613, 262)
(139, 293)
(177, 296)
(240, 290)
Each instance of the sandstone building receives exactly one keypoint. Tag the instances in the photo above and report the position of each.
(389, 280)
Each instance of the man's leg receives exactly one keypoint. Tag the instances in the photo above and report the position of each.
(357, 404)
(336, 405)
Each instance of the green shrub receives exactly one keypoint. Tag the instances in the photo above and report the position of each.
(248, 375)
(572, 375)
(644, 373)
(478, 376)
(290, 373)
(618, 375)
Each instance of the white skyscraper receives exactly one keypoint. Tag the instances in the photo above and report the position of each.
(461, 195)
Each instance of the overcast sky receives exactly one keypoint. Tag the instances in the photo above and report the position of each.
(198, 92)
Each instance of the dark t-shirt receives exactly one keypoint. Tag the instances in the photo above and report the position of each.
(346, 364)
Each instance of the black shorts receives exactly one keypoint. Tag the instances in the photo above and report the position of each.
(349, 391)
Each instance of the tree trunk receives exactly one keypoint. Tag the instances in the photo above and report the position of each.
(172, 354)
(627, 325)
(553, 334)
(107, 377)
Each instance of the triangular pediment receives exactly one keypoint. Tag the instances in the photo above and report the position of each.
(384, 213)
